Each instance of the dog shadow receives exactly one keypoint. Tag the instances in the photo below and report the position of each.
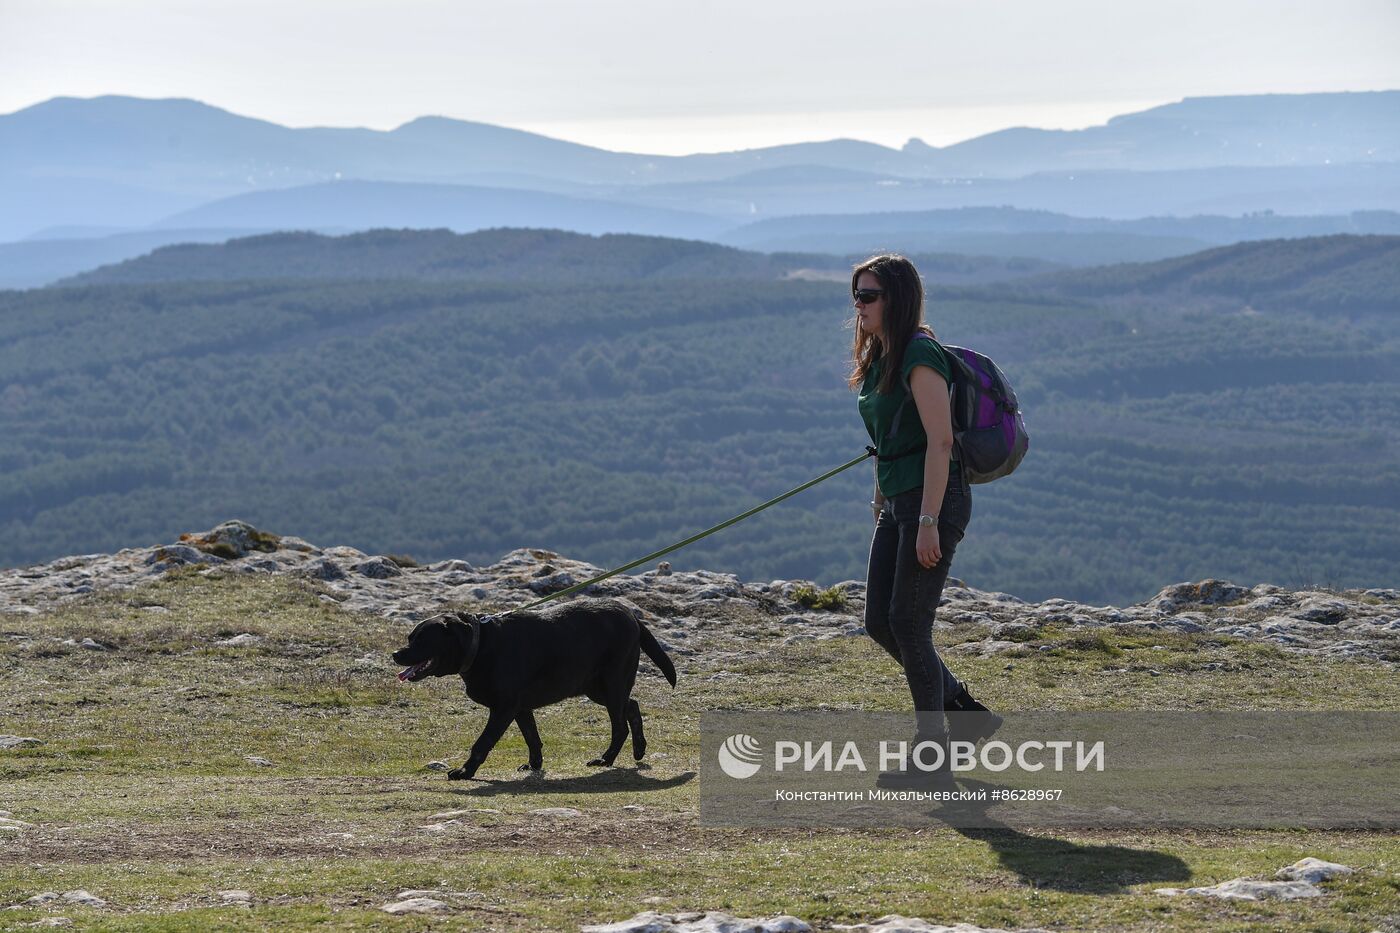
(605, 781)
(1059, 864)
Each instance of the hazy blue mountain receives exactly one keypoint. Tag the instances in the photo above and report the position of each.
(353, 205)
(125, 161)
(1198, 132)
(31, 204)
(361, 205)
(35, 262)
(1044, 234)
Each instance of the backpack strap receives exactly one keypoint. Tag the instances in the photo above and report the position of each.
(909, 396)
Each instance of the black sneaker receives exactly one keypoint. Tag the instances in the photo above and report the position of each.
(970, 721)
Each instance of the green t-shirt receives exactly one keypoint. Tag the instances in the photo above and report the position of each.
(877, 411)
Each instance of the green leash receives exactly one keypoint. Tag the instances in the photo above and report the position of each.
(869, 452)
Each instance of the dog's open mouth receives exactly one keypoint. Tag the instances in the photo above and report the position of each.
(416, 671)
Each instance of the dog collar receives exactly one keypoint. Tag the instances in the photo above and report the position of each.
(471, 642)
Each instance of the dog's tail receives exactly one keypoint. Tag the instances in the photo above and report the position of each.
(655, 652)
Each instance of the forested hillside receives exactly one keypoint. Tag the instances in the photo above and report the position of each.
(608, 419)
(505, 254)
(1356, 274)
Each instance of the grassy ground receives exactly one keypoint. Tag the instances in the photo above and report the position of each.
(142, 793)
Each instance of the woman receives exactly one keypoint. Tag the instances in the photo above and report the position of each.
(922, 502)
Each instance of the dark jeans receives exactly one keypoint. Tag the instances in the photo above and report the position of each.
(901, 595)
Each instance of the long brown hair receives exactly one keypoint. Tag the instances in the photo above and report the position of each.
(904, 314)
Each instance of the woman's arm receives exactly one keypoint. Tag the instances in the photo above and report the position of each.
(930, 392)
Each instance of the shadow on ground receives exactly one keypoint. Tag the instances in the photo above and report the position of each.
(1058, 864)
(604, 782)
(1061, 865)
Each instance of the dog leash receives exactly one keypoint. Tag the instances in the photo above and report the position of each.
(869, 452)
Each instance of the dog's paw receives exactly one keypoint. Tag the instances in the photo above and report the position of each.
(461, 774)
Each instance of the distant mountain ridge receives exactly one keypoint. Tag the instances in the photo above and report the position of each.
(1045, 234)
(1270, 129)
(359, 205)
(130, 162)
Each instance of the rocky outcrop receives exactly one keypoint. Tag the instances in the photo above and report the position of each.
(1341, 624)
(1295, 881)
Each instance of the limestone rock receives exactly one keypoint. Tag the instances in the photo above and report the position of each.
(177, 555)
(232, 540)
(713, 922)
(1246, 889)
(1322, 610)
(416, 905)
(1312, 870)
(378, 568)
(1186, 622)
(324, 569)
(894, 923)
(239, 641)
(79, 897)
(564, 812)
(454, 895)
(1207, 592)
(19, 741)
(553, 583)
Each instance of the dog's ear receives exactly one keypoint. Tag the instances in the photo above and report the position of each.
(467, 631)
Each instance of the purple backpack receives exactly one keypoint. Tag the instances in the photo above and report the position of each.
(989, 435)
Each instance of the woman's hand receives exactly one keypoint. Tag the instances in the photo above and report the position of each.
(927, 546)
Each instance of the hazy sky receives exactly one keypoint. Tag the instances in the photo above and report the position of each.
(697, 75)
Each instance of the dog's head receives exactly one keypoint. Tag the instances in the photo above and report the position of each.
(440, 647)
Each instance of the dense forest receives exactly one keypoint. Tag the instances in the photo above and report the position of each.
(1348, 274)
(504, 255)
(607, 419)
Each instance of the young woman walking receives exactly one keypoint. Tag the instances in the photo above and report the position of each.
(922, 501)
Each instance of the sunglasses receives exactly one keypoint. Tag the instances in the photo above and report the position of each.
(864, 296)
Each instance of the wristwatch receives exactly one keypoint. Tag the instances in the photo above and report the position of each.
(927, 521)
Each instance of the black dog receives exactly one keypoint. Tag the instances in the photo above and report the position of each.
(525, 660)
